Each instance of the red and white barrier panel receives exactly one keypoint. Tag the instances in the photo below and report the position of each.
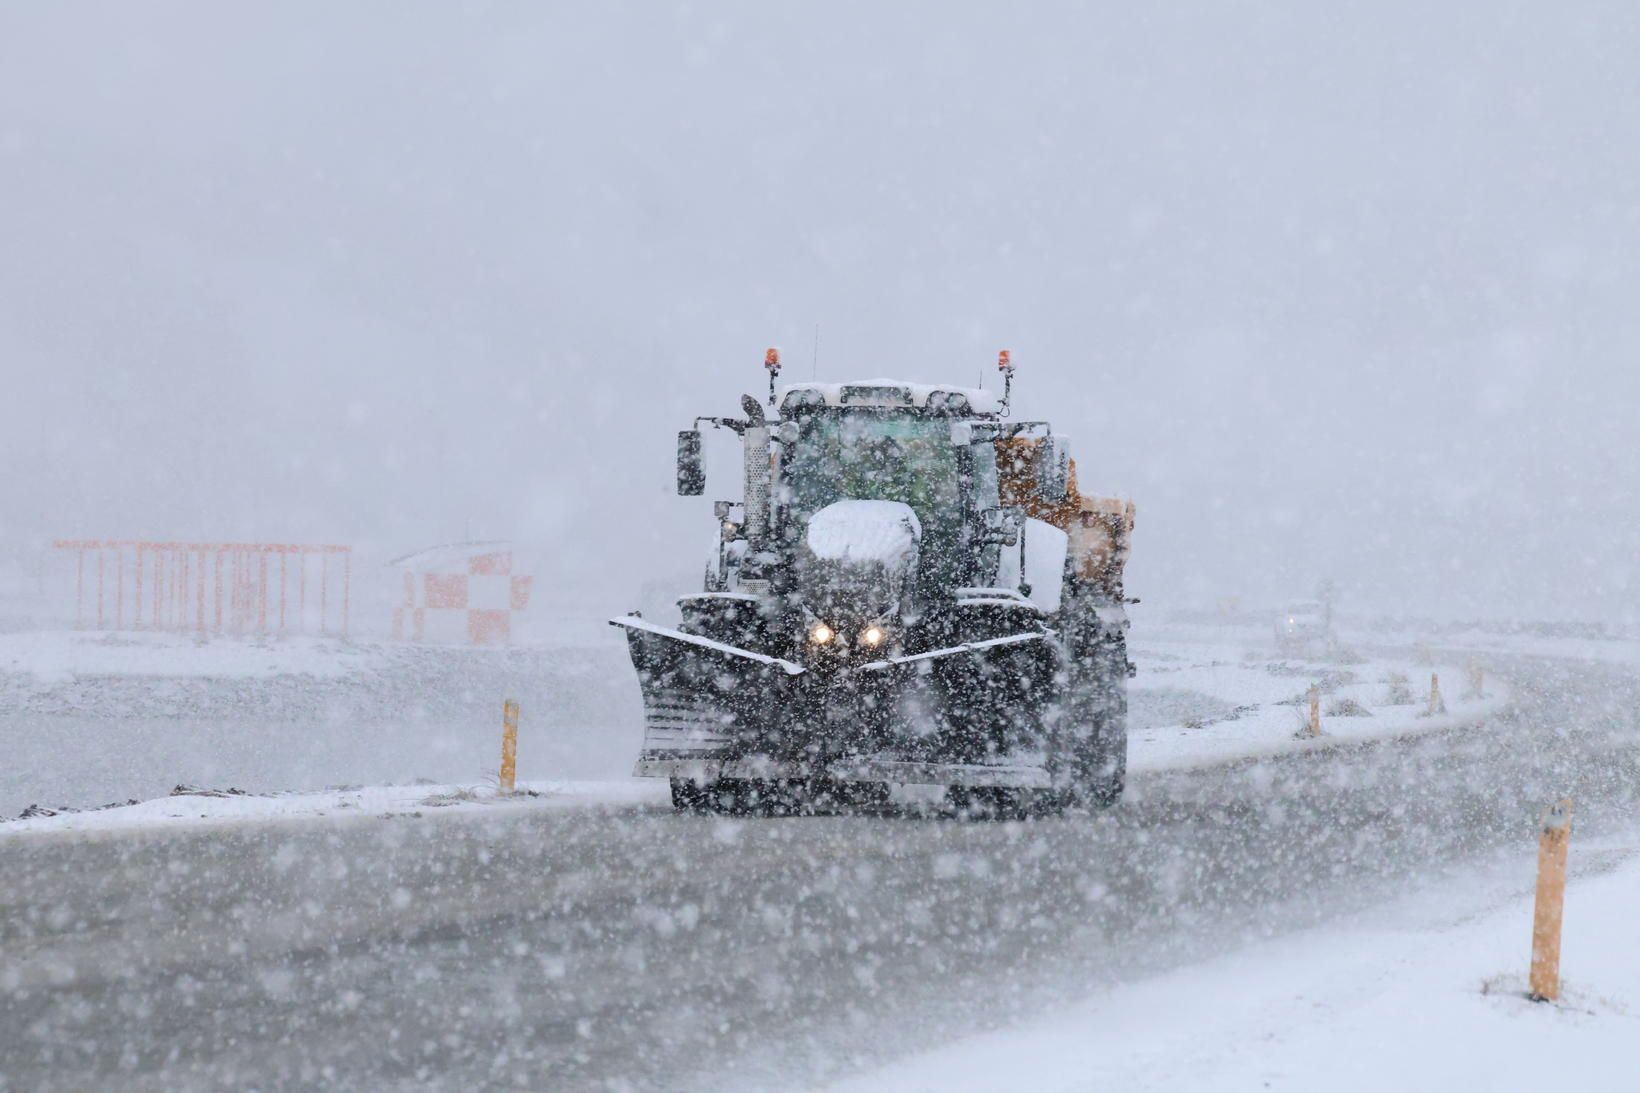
(462, 594)
(234, 588)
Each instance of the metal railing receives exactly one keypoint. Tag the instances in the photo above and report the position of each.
(209, 588)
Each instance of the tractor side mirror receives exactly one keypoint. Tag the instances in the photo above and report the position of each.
(691, 467)
(1053, 474)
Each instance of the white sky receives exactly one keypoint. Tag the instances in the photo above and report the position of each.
(1345, 292)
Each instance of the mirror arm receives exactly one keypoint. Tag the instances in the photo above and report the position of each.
(1007, 429)
(739, 427)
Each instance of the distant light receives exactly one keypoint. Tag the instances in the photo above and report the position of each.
(821, 633)
(873, 635)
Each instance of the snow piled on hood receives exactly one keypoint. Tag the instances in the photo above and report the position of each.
(864, 531)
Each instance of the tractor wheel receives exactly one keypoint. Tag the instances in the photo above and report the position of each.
(755, 797)
(866, 796)
(1108, 777)
(830, 797)
(1102, 777)
(1108, 790)
(772, 797)
(1009, 804)
(721, 795)
(1100, 770)
(689, 795)
(1046, 803)
(728, 797)
(989, 802)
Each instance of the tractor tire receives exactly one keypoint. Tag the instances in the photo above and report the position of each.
(990, 802)
(1101, 766)
(1108, 791)
(756, 797)
(1106, 776)
(688, 795)
(728, 797)
(773, 797)
(865, 796)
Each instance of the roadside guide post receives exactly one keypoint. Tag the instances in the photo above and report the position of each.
(509, 745)
(1551, 895)
(1437, 705)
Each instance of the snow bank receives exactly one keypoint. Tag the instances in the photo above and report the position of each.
(64, 654)
(1589, 650)
(203, 807)
(1427, 994)
(1199, 703)
(1192, 705)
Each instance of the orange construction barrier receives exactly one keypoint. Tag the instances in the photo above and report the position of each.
(210, 587)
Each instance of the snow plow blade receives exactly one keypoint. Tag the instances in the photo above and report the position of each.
(716, 711)
(701, 696)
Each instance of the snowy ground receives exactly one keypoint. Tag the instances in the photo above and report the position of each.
(1424, 993)
(1197, 701)
(1491, 643)
(194, 806)
(88, 719)
(51, 657)
(426, 936)
(1538, 641)
(1194, 701)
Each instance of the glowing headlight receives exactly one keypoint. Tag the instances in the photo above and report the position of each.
(821, 633)
(873, 636)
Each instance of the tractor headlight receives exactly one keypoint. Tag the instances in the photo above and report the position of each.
(821, 634)
(873, 636)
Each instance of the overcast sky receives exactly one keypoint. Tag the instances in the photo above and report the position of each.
(1347, 290)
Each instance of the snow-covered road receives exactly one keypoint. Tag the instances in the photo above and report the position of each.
(631, 948)
(1428, 992)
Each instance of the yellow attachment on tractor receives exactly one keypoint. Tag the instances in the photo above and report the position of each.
(1097, 529)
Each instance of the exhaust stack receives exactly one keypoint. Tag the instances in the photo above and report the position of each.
(757, 482)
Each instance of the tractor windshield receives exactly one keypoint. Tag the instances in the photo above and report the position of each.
(876, 457)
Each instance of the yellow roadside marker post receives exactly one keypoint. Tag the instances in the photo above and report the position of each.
(1551, 898)
(509, 745)
(1437, 705)
(1315, 710)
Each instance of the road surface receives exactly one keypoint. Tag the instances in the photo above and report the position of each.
(635, 949)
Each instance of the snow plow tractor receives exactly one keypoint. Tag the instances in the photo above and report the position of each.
(865, 621)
